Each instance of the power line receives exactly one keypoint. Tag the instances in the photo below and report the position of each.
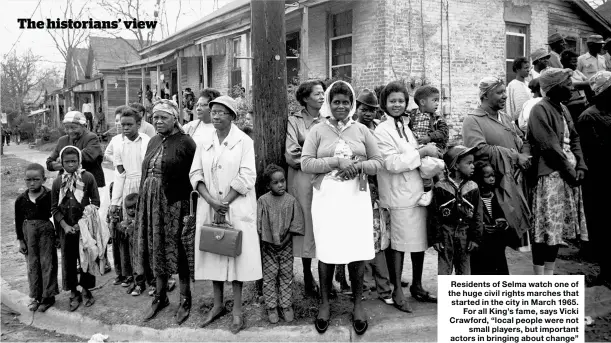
(18, 38)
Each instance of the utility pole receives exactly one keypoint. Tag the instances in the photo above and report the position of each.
(269, 84)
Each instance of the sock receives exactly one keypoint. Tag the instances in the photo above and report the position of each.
(549, 268)
(538, 269)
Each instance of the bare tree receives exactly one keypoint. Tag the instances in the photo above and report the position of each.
(66, 40)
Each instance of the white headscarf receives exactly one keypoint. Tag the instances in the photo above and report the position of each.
(325, 110)
(72, 182)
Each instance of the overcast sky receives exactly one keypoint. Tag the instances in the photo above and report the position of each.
(41, 43)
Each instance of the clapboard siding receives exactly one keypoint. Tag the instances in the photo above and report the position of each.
(569, 20)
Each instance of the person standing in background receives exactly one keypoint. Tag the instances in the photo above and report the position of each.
(88, 112)
(540, 60)
(517, 90)
(592, 61)
(557, 45)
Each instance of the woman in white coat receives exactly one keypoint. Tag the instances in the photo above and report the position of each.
(223, 172)
(400, 187)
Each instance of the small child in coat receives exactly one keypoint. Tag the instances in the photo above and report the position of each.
(279, 217)
(457, 213)
(490, 258)
(37, 239)
(71, 194)
(428, 128)
(381, 241)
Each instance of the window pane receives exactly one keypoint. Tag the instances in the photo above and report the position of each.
(516, 28)
(341, 51)
(342, 23)
(515, 46)
(510, 75)
(342, 73)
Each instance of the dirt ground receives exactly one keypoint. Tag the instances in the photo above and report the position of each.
(15, 331)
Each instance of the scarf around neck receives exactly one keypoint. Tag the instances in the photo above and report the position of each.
(72, 182)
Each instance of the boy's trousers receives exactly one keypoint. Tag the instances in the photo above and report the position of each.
(454, 254)
(39, 237)
(277, 274)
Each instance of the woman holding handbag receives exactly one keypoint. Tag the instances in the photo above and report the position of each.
(223, 173)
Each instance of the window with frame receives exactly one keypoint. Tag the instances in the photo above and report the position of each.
(236, 70)
(516, 39)
(571, 44)
(340, 46)
(293, 45)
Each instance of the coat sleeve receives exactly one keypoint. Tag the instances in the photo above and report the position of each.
(260, 213)
(297, 223)
(19, 218)
(544, 136)
(310, 162)
(53, 157)
(196, 174)
(476, 226)
(55, 210)
(92, 151)
(293, 150)
(473, 136)
(592, 139)
(374, 157)
(109, 152)
(92, 190)
(575, 143)
(441, 133)
(395, 161)
(244, 182)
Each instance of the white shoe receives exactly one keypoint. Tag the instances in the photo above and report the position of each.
(426, 198)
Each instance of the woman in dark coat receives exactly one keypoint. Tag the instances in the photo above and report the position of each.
(162, 205)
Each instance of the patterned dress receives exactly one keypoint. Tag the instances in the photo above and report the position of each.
(558, 207)
(160, 223)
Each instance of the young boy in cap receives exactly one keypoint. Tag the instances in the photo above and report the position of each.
(557, 45)
(457, 213)
(540, 61)
(592, 61)
(37, 239)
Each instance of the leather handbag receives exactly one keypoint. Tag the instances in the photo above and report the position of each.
(221, 238)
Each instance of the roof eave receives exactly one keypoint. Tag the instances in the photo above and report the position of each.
(600, 20)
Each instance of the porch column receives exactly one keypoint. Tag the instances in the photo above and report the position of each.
(305, 43)
(142, 84)
(158, 82)
(204, 65)
(126, 87)
(57, 119)
(178, 83)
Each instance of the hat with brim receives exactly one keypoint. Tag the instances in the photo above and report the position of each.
(455, 153)
(367, 97)
(539, 54)
(226, 101)
(596, 39)
(554, 38)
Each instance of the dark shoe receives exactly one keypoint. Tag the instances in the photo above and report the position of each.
(272, 315)
(158, 304)
(136, 291)
(75, 302)
(184, 309)
(131, 288)
(360, 326)
(152, 291)
(127, 281)
(118, 280)
(312, 290)
(213, 316)
(89, 300)
(403, 307)
(404, 283)
(321, 325)
(237, 325)
(33, 306)
(422, 295)
(46, 303)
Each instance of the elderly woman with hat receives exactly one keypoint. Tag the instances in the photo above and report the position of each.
(558, 170)
(557, 45)
(310, 95)
(163, 202)
(540, 60)
(223, 173)
(592, 61)
(499, 143)
(79, 136)
(594, 127)
(341, 153)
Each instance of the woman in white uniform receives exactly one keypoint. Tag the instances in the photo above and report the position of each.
(223, 172)
(340, 152)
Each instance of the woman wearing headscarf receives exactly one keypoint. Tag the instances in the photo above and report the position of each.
(163, 202)
(499, 143)
(594, 128)
(400, 188)
(224, 174)
(341, 153)
(311, 96)
(558, 170)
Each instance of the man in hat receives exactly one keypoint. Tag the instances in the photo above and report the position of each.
(366, 107)
(592, 61)
(79, 136)
(88, 112)
(540, 61)
(557, 45)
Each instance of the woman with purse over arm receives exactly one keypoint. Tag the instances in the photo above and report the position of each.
(162, 205)
(223, 173)
(341, 152)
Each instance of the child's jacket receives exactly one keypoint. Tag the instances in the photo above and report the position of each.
(277, 216)
(457, 210)
(25, 209)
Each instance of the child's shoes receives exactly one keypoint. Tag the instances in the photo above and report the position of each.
(288, 314)
(46, 303)
(33, 306)
(152, 291)
(136, 291)
(127, 281)
(426, 198)
(272, 314)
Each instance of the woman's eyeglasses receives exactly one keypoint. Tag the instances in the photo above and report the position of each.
(219, 113)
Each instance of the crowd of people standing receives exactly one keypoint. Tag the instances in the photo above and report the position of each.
(360, 167)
